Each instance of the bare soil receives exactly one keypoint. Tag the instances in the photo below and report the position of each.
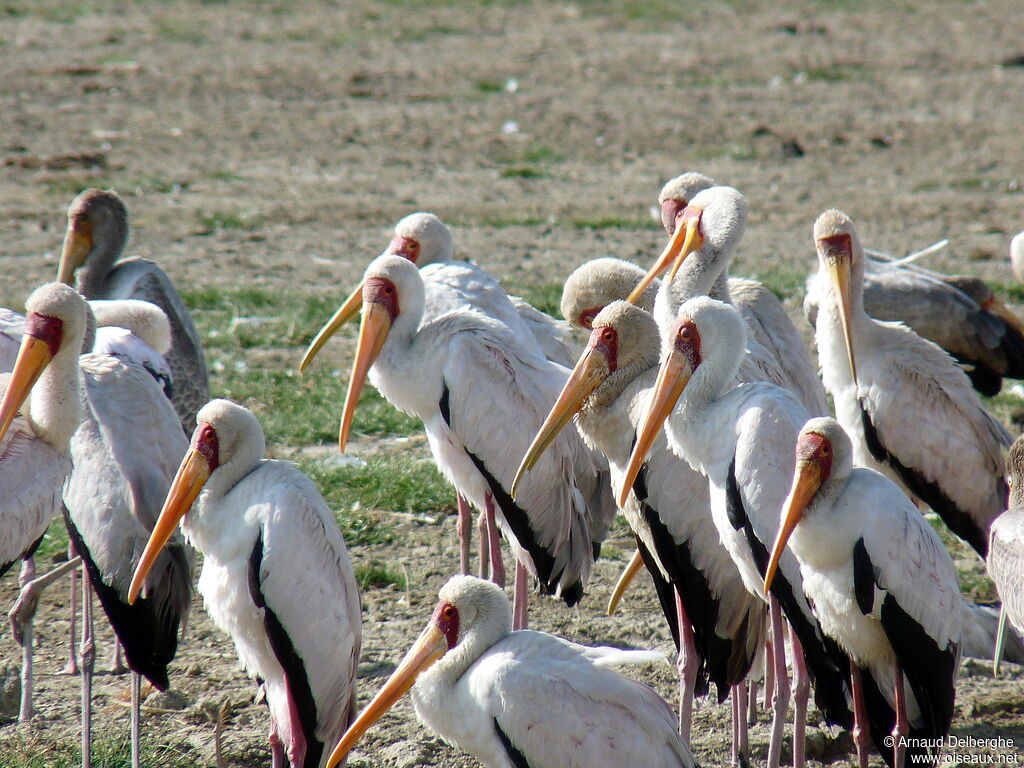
(273, 144)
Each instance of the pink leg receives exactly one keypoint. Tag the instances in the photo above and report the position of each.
(780, 701)
(744, 746)
(464, 528)
(86, 662)
(686, 663)
(28, 573)
(296, 737)
(734, 700)
(902, 726)
(801, 693)
(72, 665)
(494, 541)
(117, 666)
(769, 671)
(860, 716)
(752, 706)
(277, 756)
(136, 719)
(520, 596)
(485, 546)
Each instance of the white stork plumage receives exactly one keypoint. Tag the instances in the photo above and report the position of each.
(514, 699)
(426, 241)
(1006, 551)
(12, 326)
(124, 455)
(882, 585)
(34, 455)
(961, 314)
(1017, 256)
(717, 625)
(478, 389)
(705, 224)
(740, 436)
(276, 577)
(908, 408)
(96, 236)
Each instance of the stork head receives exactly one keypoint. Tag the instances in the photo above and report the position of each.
(623, 343)
(142, 318)
(594, 285)
(823, 453)
(1015, 463)
(94, 216)
(707, 341)
(55, 324)
(467, 606)
(423, 239)
(391, 285)
(677, 194)
(841, 258)
(227, 436)
(420, 238)
(712, 223)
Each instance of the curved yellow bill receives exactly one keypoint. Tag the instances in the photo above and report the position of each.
(839, 272)
(345, 313)
(673, 376)
(591, 370)
(33, 357)
(807, 479)
(636, 562)
(684, 241)
(373, 332)
(192, 475)
(429, 647)
(76, 247)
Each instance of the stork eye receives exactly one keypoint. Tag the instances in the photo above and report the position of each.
(389, 289)
(448, 611)
(608, 335)
(825, 449)
(685, 333)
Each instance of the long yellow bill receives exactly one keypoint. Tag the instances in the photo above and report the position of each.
(839, 272)
(636, 562)
(33, 357)
(807, 479)
(76, 247)
(346, 312)
(430, 647)
(684, 241)
(673, 376)
(192, 475)
(591, 370)
(373, 332)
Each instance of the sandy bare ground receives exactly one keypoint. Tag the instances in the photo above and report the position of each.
(272, 144)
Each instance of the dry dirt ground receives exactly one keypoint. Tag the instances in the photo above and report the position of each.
(272, 144)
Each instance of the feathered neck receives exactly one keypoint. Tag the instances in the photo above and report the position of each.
(109, 239)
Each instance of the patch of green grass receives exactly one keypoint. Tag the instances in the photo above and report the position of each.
(1013, 291)
(398, 482)
(784, 283)
(376, 574)
(612, 222)
(504, 223)
(488, 86)
(26, 752)
(55, 541)
(70, 184)
(522, 172)
(835, 73)
(546, 297)
(244, 220)
(179, 30)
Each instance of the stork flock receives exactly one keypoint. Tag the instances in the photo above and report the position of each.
(694, 409)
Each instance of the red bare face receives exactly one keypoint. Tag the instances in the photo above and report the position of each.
(836, 247)
(446, 619)
(587, 316)
(605, 340)
(687, 342)
(45, 328)
(205, 440)
(818, 449)
(670, 210)
(380, 290)
(406, 247)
